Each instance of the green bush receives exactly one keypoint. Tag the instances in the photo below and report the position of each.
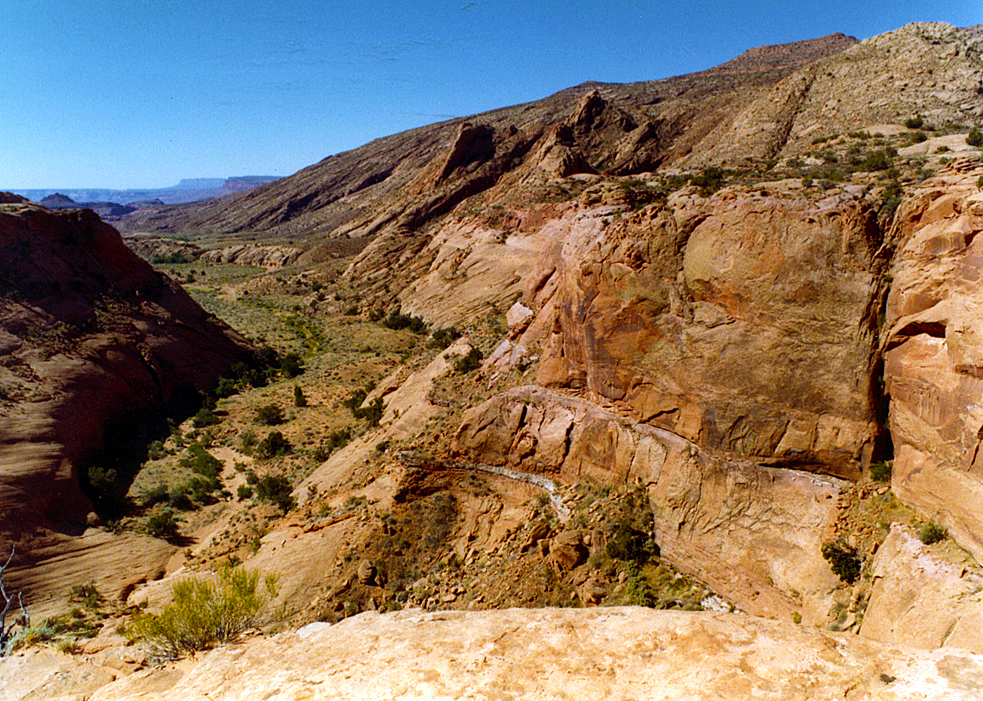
(291, 365)
(276, 490)
(442, 338)
(299, 399)
(269, 415)
(244, 491)
(630, 544)
(205, 613)
(204, 418)
(931, 533)
(398, 322)
(225, 388)
(468, 363)
(881, 471)
(974, 137)
(843, 560)
(274, 445)
(162, 525)
(915, 122)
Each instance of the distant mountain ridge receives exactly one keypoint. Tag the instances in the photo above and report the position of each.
(187, 190)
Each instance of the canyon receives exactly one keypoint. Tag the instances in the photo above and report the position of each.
(721, 326)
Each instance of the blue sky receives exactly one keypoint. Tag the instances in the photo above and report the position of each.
(142, 93)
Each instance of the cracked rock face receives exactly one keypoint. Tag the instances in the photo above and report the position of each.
(752, 533)
(934, 359)
(745, 323)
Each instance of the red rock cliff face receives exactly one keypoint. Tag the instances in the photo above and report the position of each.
(934, 358)
(745, 323)
(89, 333)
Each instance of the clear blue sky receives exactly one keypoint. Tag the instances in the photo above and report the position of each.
(142, 93)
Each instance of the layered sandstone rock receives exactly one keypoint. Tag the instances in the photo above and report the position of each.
(752, 533)
(920, 599)
(611, 654)
(934, 353)
(746, 322)
(89, 335)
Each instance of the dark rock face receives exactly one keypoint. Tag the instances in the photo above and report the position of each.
(89, 334)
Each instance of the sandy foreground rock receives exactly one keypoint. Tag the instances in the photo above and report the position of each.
(605, 653)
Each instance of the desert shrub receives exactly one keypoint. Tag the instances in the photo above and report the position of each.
(204, 418)
(638, 591)
(878, 160)
(269, 415)
(201, 462)
(442, 338)
(890, 200)
(709, 180)
(154, 495)
(174, 258)
(334, 441)
(204, 613)
(162, 525)
(881, 471)
(248, 441)
(354, 400)
(974, 137)
(179, 498)
(979, 182)
(630, 544)
(371, 412)
(156, 450)
(468, 363)
(225, 388)
(843, 560)
(931, 533)
(915, 122)
(300, 400)
(398, 322)
(273, 446)
(244, 491)
(291, 365)
(101, 479)
(85, 594)
(276, 490)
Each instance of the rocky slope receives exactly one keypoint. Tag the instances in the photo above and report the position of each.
(91, 337)
(359, 192)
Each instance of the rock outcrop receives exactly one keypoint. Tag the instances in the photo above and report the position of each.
(919, 599)
(714, 518)
(90, 335)
(745, 323)
(612, 654)
(269, 257)
(934, 353)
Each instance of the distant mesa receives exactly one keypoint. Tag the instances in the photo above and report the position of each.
(187, 190)
(106, 210)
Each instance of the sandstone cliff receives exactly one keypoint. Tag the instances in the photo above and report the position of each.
(89, 335)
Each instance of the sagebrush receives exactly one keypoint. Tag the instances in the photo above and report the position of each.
(205, 612)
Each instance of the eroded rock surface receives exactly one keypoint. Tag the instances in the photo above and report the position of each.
(920, 599)
(610, 654)
(89, 335)
(752, 533)
(744, 323)
(934, 360)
